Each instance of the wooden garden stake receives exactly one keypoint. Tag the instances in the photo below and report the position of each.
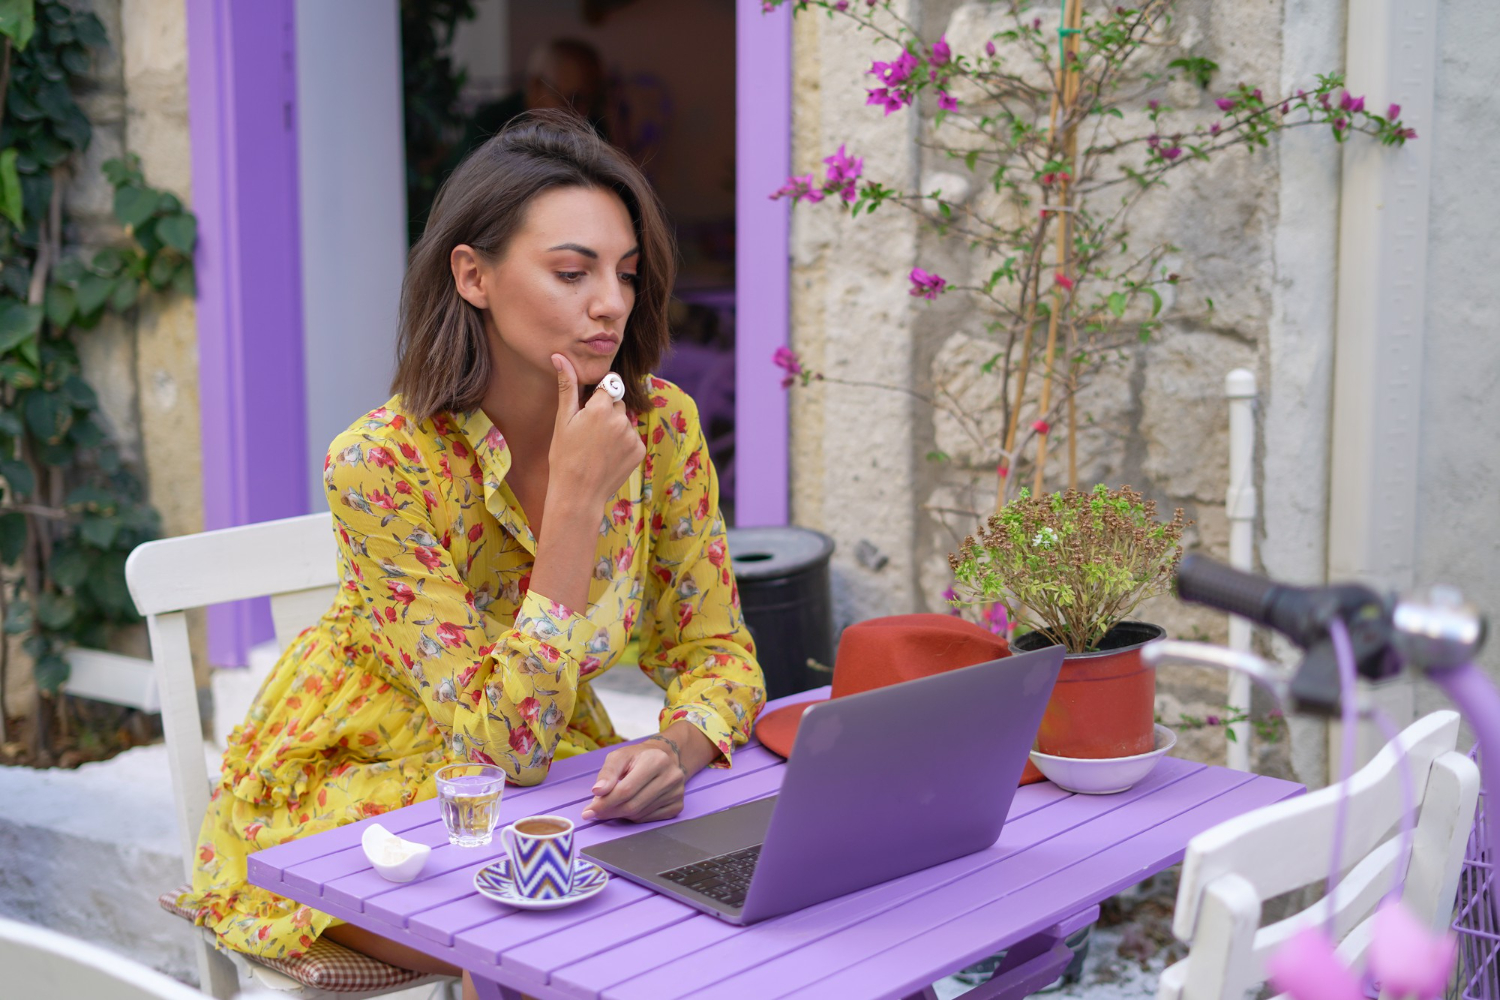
(1068, 85)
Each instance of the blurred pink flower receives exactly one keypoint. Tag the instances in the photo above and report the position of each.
(1393, 112)
(941, 53)
(947, 103)
(926, 284)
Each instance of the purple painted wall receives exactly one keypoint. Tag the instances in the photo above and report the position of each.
(763, 141)
(242, 116)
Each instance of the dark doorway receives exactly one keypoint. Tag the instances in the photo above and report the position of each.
(658, 79)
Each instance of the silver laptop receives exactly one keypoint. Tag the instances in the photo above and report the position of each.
(879, 784)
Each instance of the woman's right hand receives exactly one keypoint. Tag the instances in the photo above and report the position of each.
(595, 447)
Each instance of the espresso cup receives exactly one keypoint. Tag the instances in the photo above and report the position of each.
(542, 856)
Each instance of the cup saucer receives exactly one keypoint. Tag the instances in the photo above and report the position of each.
(494, 881)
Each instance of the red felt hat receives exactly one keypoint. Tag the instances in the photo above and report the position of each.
(882, 651)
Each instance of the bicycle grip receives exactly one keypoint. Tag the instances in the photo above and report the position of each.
(1202, 581)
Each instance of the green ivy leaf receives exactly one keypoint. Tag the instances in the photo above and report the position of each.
(90, 30)
(161, 271)
(50, 673)
(124, 295)
(134, 205)
(109, 260)
(18, 619)
(106, 584)
(70, 567)
(86, 434)
(80, 393)
(75, 59)
(56, 611)
(22, 376)
(47, 414)
(180, 232)
(183, 282)
(18, 323)
(18, 21)
(12, 536)
(10, 188)
(1117, 302)
(93, 290)
(61, 305)
(99, 531)
(1155, 300)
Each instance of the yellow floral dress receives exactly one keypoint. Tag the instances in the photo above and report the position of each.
(436, 649)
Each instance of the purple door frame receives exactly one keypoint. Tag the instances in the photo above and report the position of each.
(242, 115)
(762, 259)
(242, 112)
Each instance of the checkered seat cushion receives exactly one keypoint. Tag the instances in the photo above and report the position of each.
(327, 965)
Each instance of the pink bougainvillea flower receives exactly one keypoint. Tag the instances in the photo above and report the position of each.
(891, 100)
(1225, 103)
(1348, 102)
(1214, 128)
(1407, 959)
(949, 596)
(1041, 427)
(1063, 280)
(1171, 154)
(843, 172)
(798, 188)
(1393, 112)
(926, 284)
(841, 6)
(997, 619)
(897, 72)
(941, 53)
(947, 103)
(1153, 140)
(786, 359)
(1339, 124)
(989, 48)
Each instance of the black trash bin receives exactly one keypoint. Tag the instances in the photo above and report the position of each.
(783, 579)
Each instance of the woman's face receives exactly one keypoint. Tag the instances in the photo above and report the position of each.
(566, 284)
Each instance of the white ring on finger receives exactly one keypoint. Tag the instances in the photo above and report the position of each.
(613, 386)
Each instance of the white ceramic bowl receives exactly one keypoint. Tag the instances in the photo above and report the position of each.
(395, 859)
(1105, 775)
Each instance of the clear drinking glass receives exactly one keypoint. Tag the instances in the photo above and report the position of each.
(469, 799)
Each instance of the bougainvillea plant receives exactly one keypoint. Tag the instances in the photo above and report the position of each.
(1060, 121)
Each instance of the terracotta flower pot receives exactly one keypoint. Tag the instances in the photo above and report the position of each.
(1104, 704)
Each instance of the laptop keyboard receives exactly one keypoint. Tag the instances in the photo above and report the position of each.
(725, 878)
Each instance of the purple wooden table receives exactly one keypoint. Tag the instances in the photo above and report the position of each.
(1059, 855)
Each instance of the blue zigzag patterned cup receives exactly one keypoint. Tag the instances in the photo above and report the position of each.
(542, 856)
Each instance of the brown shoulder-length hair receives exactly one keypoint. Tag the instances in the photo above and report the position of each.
(442, 357)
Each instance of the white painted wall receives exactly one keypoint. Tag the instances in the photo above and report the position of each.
(353, 191)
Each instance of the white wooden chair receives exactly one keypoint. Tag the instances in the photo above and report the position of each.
(294, 562)
(38, 962)
(1231, 870)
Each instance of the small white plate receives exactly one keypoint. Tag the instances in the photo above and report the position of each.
(494, 881)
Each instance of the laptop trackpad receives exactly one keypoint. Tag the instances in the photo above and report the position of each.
(685, 842)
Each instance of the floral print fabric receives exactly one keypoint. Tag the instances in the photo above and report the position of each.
(436, 648)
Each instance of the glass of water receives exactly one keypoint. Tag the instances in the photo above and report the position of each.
(469, 799)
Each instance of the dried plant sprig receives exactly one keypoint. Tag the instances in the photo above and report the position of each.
(1071, 564)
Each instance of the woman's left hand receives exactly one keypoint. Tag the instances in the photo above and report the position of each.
(645, 781)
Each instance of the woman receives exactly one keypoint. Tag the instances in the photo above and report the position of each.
(502, 531)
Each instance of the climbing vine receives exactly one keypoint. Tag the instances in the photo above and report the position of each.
(71, 508)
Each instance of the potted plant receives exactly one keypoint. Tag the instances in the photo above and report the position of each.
(1070, 567)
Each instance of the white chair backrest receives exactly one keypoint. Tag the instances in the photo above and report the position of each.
(38, 962)
(1230, 870)
(293, 561)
